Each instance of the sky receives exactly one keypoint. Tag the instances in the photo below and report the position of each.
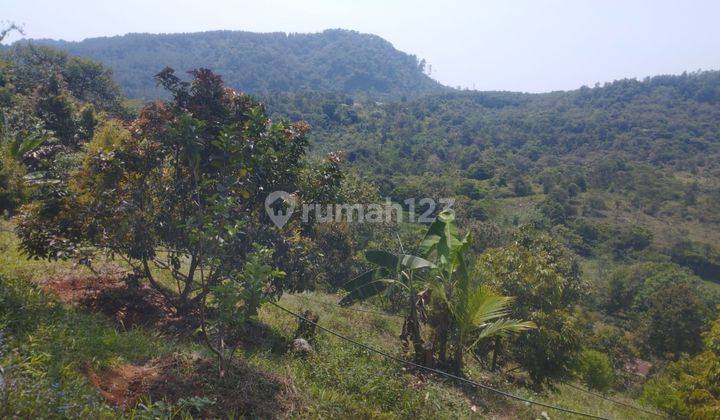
(516, 45)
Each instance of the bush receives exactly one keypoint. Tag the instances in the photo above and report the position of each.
(479, 210)
(595, 370)
(688, 388)
(521, 187)
(702, 259)
(481, 171)
(546, 282)
(12, 190)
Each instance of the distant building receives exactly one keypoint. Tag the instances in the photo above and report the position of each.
(639, 367)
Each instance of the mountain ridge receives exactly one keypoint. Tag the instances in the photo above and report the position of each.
(335, 60)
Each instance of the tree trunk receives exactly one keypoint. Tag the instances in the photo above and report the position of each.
(459, 359)
(415, 329)
(496, 350)
(442, 340)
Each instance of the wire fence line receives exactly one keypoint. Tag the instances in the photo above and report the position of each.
(587, 391)
(348, 308)
(302, 296)
(437, 371)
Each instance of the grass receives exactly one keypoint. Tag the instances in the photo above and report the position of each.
(45, 344)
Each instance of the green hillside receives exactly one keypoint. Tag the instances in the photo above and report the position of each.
(151, 264)
(332, 61)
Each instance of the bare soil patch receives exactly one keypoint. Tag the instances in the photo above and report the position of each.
(108, 293)
(245, 391)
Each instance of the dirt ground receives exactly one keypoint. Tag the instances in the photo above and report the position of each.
(108, 293)
(245, 391)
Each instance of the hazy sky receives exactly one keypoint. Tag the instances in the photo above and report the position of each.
(520, 45)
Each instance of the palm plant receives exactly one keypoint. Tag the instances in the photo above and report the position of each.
(476, 312)
(467, 309)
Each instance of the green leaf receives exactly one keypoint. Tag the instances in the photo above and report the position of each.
(413, 262)
(484, 305)
(503, 327)
(360, 280)
(383, 259)
(370, 289)
(31, 143)
(442, 237)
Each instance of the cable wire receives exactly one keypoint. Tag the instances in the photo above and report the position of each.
(612, 400)
(348, 308)
(439, 372)
(566, 383)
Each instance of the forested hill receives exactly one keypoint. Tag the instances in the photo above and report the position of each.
(664, 121)
(332, 61)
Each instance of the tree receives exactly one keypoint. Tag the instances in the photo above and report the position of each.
(545, 281)
(235, 302)
(468, 311)
(674, 320)
(688, 388)
(180, 190)
(595, 370)
(480, 171)
(475, 311)
(521, 187)
(398, 272)
(702, 259)
(8, 29)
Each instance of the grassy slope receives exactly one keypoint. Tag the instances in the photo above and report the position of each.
(47, 342)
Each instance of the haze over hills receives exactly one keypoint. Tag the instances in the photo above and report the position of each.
(337, 60)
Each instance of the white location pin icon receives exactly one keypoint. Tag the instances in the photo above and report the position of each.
(279, 205)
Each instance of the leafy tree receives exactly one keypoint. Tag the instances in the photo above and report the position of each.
(626, 239)
(702, 259)
(398, 272)
(475, 311)
(630, 287)
(664, 302)
(85, 80)
(615, 342)
(44, 122)
(480, 171)
(546, 283)
(181, 190)
(674, 320)
(470, 311)
(521, 187)
(688, 388)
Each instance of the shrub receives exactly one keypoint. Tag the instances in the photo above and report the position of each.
(545, 280)
(12, 189)
(688, 388)
(521, 187)
(595, 370)
(702, 259)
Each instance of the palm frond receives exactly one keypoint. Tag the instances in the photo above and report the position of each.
(502, 328)
(484, 305)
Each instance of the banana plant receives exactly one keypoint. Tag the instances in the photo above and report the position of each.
(470, 311)
(476, 312)
(393, 271)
